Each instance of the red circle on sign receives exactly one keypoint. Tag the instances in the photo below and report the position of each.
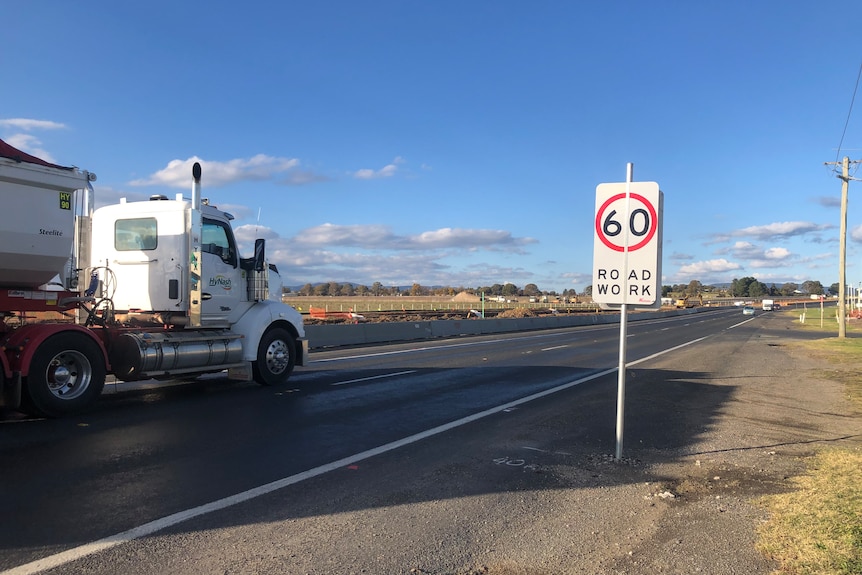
(640, 244)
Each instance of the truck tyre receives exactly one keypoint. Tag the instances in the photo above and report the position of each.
(66, 375)
(276, 356)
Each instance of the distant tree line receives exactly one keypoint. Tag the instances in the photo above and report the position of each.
(332, 289)
(748, 287)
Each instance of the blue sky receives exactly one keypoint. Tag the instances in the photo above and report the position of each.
(459, 143)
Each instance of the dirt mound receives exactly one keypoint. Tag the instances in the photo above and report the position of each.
(518, 312)
(466, 296)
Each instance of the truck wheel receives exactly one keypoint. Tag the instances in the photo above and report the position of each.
(67, 374)
(276, 356)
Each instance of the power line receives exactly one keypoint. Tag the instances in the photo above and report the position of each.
(849, 112)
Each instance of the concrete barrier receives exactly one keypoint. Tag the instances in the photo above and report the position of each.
(323, 336)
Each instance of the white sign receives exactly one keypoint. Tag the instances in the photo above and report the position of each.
(627, 246)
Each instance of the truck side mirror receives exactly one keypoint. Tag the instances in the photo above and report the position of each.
(259, 250)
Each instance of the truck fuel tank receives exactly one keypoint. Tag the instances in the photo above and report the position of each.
(144, 355)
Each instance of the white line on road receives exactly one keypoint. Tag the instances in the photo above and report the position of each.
(374, 377)
(431, 348)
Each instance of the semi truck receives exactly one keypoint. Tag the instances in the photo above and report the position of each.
(137, 290)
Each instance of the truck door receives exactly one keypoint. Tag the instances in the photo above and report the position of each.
(143, 258)
(222, 287)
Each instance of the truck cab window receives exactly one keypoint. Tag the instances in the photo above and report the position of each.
(138, 234)
(217, 241)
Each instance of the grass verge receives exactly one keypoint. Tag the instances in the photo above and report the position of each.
(817, 527)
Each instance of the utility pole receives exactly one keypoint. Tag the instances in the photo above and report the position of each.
(842, 249)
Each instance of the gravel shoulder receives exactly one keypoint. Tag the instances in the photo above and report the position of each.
(537, 491)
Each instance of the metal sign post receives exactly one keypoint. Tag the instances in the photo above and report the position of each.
(627, 260)
(621, 369)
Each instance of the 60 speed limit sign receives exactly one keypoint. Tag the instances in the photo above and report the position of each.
(627, 246)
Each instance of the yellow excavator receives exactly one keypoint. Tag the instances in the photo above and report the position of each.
(689, 301)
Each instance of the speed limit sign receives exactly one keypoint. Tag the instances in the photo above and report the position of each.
(627, 245)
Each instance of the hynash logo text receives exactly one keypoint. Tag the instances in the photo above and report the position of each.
(635, 288)
(221, 282)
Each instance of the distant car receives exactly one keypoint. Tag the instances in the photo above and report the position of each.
(748, 310)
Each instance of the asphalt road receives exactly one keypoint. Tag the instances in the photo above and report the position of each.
(200, 456)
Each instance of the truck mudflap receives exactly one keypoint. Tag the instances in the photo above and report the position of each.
(10, 391)
(301, 351)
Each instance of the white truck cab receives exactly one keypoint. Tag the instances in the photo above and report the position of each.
(154, 267)
(175, 262)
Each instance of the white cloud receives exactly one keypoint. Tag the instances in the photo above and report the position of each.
(459, 237)
(326, 265)
(708, 267)
(381, 237)
(781, 229)
(178, 173)
(247, 233)
(28, 125)
(386, 171)
(390, 269)
(370, 253)
(30, 144)
(27, 142)
(364, 236)
(745, 250)
(777, 254)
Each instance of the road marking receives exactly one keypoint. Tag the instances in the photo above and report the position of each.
(157, 525)
(546, 451)
(553, 348)
(428, 348)
(507, 461)
(374, 377)
(581, 329)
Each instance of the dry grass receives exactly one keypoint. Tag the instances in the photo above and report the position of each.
(817, 527)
